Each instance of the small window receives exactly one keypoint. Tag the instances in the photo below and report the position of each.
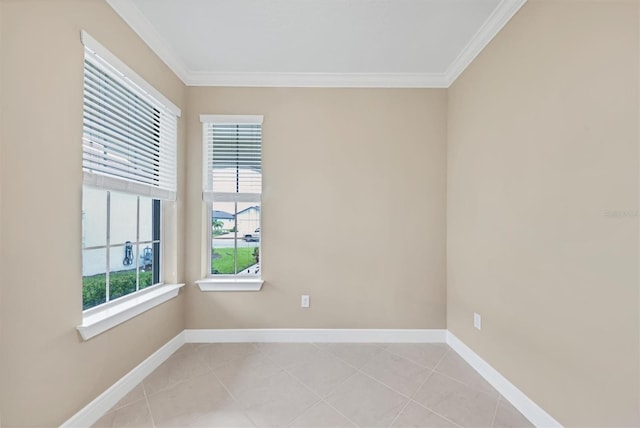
(232, 189)
(129, 147)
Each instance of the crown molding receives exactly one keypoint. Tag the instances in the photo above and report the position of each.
(130, 13)
(320, 80)
(489, 29)
(505, 10)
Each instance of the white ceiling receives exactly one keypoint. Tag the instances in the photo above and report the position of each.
(361, 43)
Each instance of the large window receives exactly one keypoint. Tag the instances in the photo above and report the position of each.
(129, 165)
(232, 189)
(121, 245)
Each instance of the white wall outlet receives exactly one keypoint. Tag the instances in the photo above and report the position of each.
(477, 321)
(304, 301)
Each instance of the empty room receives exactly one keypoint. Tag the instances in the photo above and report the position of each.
(319, 213)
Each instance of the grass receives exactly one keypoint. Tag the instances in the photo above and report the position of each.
(223, 263)
(121, 283)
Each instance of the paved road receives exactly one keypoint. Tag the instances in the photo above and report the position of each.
(224, 242)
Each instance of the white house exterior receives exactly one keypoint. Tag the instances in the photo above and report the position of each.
(123, 228)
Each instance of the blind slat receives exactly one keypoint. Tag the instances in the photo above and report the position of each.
(129, 139)
(232, 161)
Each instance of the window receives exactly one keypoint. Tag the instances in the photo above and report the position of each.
(232, 188)
(129, 165)
(121, 245)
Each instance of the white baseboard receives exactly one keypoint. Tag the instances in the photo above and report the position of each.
(105, 401)
(316, 335)
(93, 411)
(517, 398)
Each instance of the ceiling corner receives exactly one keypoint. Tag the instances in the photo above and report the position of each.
(147, 32)
(491, 27)
(319, 80)
(134, 17)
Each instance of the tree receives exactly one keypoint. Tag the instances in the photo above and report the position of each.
(217, 225)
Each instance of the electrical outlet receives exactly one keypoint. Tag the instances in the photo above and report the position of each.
(305, 301)
(477, 321)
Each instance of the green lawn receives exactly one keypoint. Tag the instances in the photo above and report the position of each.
(223, 264)
(121, 283)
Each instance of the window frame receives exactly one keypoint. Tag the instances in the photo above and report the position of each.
(156, 226)
(102, 317)
(228, 277)
(227, 282)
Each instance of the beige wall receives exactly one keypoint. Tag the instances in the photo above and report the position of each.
(542, 133)
(353, 209)
(542, 157)
(1, 252)
(47, 372)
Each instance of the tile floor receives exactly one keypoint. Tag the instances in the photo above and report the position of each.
(314, 385)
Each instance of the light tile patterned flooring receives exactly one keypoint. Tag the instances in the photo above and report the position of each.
(314, 385)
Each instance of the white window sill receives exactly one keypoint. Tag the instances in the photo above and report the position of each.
(102, 318)
(230, 284)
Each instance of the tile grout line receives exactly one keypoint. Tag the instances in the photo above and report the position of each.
(433, 370)
(399, 413)
(233, 397)
(465, 384)
(460, 381)
(447, 348)
(442, 358)
(359, 371)
(146, 399)
(303, 412)
(495, 411)
(181, 380)
(334, 408)
(283, 369)
(410, 398)
(438, 414)
(321, 398)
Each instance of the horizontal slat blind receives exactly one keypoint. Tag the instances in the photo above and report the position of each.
(233, 160)
(129, 138)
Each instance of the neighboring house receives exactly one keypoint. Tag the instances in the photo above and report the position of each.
(226, 218)
(248, 219)
(94, 220)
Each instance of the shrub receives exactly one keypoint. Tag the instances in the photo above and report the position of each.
(121, 283)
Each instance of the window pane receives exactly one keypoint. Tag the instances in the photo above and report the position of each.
(124, 209)
(223, 238)
(248, 218)
(94, 217)
(146, 219)
(235, 247)
(122, 257)
(146, 265)
(248, 257)
(122, 277)
(223, 256)
(94, 268)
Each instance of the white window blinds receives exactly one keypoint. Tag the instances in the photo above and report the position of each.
(129, 129)
(232, 152)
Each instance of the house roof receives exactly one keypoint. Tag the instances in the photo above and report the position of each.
(221, 215)
(255, 207)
